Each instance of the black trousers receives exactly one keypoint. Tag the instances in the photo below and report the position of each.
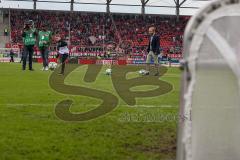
(44, 53)
(27, 52)
(11, 58)
(63, 61)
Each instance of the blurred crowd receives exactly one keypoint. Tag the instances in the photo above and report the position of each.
(126, 33)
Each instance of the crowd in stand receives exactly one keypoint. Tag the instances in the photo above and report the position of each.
(125, 32)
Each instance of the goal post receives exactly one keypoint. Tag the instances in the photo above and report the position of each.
(210, 103)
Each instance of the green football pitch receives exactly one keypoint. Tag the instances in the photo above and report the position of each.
(30, 130)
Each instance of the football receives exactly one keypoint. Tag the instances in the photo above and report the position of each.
(142, 72)
(52, 65)
(108, 71)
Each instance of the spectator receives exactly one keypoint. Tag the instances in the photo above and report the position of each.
(5, 32)
(11, 56)
(126, 29)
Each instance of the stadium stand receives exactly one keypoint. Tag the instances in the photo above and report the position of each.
(96, 29)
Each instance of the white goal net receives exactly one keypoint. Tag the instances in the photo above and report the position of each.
(210, 105)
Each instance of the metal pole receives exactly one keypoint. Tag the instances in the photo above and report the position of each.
(178, 6)
(9, 24)
(35, 4)
(108, 6)
(177, 10)
(71, 6)
(144, 2)
(143, 9)
(103, 38)
(69, 34)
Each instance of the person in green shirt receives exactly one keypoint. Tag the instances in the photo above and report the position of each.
(44, 41)
(29, 40)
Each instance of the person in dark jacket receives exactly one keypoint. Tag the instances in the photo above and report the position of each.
(63, 52)
(153, 50)
(11, 56)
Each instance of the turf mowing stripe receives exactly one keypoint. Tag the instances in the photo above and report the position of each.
(136, 106)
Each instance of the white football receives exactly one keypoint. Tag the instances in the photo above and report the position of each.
(108, 71)
(142, 72)
(52, 65)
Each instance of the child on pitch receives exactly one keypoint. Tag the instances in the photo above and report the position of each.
(63, 52)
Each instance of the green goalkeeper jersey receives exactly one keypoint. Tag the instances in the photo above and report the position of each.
(29, 37)
(44, 38)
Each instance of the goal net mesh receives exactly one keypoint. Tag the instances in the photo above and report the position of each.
(210, 101)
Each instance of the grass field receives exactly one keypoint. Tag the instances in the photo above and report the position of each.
(30, 130)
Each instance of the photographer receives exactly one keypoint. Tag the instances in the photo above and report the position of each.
(29, 39)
